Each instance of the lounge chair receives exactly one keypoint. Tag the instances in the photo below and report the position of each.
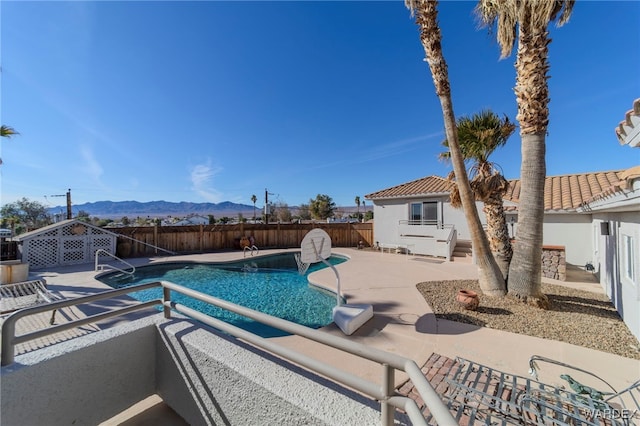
(477, 394)
(26, 294)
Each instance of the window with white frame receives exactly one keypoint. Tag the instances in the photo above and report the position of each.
(424, 213)
(627, 241)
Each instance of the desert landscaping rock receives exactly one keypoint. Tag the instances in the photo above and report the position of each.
(578, 317)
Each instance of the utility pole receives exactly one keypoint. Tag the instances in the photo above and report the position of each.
(266, 205)
(68, 195)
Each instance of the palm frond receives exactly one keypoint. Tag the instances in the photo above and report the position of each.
(7, 131)
(506, 15)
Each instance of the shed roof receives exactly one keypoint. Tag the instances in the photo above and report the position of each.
(45, 229)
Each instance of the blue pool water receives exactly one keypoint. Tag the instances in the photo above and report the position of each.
(269, 284)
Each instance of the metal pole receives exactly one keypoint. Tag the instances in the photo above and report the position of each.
(166, 294)
(266, 206)
(387, 391)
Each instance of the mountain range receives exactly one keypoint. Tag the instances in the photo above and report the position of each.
(118, 209)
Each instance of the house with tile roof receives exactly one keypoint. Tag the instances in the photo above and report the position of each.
(595, 216)
(410, 213)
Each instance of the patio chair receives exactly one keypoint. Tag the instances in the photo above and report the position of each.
(478, 394)
(26, 294)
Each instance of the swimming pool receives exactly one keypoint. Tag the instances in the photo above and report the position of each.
(269, 284)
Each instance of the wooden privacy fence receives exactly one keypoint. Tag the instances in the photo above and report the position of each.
(206, 238)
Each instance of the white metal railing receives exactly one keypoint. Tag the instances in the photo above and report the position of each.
(429, 239)
(452, 240)
(251, 249)
(100, 266)
(389, 362)
(435, 223)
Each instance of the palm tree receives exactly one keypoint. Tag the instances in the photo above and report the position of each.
(491, 280)
(7, 132)
(358, 204)
(528, 20)
(254, 199)
(479, 136)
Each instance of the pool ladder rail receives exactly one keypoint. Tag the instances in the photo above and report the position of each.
(101, 266)
(251, 249)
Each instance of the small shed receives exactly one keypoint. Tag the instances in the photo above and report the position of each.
(69, 242)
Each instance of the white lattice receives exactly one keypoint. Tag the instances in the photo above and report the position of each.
(41, 252)
(74, 250)
(67, 244)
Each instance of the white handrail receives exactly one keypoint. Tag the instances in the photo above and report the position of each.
(252, 248)
(100, 267)
(389, 361)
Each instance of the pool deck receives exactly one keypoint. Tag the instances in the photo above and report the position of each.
(403, 322)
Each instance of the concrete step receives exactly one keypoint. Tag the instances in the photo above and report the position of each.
(462, 259)
(457, 253)
(150, 411)
(463, 243)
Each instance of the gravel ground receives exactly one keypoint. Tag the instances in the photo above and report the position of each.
(578, 317)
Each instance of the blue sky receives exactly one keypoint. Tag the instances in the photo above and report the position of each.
(215, 101)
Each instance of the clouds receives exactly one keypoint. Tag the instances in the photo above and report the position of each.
(91, 166)
(202, 181)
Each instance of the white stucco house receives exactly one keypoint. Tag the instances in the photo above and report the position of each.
(419, 214)
(192, 220)
(595, 216)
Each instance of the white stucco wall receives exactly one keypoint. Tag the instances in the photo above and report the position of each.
(572, 231)
(456, 217)
(83, 381)
(206, 378)
(609, 260)
(388, 214)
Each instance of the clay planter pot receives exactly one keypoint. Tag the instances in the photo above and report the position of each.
(468, 299)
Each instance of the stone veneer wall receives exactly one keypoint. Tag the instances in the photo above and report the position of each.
(554, 262)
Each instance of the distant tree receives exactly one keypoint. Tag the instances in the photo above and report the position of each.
(125, 221)
(30, 213)
(368, 215)
(212, 219)
(322, 207)
(12, 222)
(103, 222)
(83, 216)
(282, 212)
(241, 218)
(254, 199)
(224, 220)
(358, 205)
(303, 212)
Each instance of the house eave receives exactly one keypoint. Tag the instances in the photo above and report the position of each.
(411, 196)
(618, 202)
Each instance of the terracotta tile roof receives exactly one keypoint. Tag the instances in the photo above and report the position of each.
(429, 185)
(569, 192)
(631, 120)
(562, 193)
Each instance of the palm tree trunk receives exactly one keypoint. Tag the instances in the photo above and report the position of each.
(532, 94)
(491, 280)
(498, 233)
(525, 271)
